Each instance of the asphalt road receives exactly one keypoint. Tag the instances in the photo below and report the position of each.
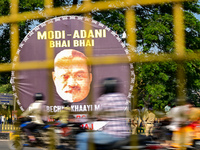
(4, 146)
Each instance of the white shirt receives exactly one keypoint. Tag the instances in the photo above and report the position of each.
(178, 115)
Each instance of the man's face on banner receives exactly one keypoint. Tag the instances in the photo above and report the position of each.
(72, 76)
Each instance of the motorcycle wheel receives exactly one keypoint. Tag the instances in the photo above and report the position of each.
(50, 138)
(16, 144)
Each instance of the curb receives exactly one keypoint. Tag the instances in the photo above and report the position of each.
(5, 135)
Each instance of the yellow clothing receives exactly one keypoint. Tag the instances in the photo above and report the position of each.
(134, 128)
(134, 116)
(149, 129)
(194, 114)
(144, 115)
(134, 121)
(63, 115)
(150, 118)
(183, 136)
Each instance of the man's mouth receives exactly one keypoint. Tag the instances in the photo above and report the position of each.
(73, 90)
(69, 91)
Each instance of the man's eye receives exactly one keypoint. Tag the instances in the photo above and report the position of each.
(79, 76)
(65, 76)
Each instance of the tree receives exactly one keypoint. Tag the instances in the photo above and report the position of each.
(157, 81)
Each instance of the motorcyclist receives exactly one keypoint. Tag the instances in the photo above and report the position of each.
(62, 117)
(113, 110)
(37, 112)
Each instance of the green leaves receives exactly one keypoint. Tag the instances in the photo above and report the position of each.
(114, 19)
(30, 5)
(5, 7)
(6, 88)
(156, 83)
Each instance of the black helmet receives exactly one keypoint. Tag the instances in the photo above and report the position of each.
(110, 85)
(66, 103)
(38, 96)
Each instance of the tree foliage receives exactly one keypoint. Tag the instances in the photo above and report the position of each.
(156, 36)
(157, 82)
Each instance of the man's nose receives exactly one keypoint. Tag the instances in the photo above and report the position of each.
(71, 81)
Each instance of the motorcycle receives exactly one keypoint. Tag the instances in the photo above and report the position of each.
(133, 142)
(44, 137)
(67, 134)
(188, 133)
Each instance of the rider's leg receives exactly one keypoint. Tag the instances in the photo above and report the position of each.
(97, 138)
(27, 129)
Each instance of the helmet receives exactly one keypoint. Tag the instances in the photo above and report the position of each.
(66, 103)
(110, 85)
(38, 96)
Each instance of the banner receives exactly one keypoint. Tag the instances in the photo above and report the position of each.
(71, 81)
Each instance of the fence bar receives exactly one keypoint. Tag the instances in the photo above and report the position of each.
(81, 9)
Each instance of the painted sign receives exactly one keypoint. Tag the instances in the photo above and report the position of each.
(6, 99)
(72, 78)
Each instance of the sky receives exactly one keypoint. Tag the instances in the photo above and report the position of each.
(197, 16)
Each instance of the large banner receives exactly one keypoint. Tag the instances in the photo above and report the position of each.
(71, 81)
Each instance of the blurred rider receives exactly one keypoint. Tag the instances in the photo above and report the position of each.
(37, 111)
(63, 115)
(179, 117)
(113, 109)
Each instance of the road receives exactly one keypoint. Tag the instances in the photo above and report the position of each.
(4, 146)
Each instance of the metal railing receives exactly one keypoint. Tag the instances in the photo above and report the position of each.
(49, 11)
(8, 127)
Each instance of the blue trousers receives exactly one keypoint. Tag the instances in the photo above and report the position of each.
(99, 137)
